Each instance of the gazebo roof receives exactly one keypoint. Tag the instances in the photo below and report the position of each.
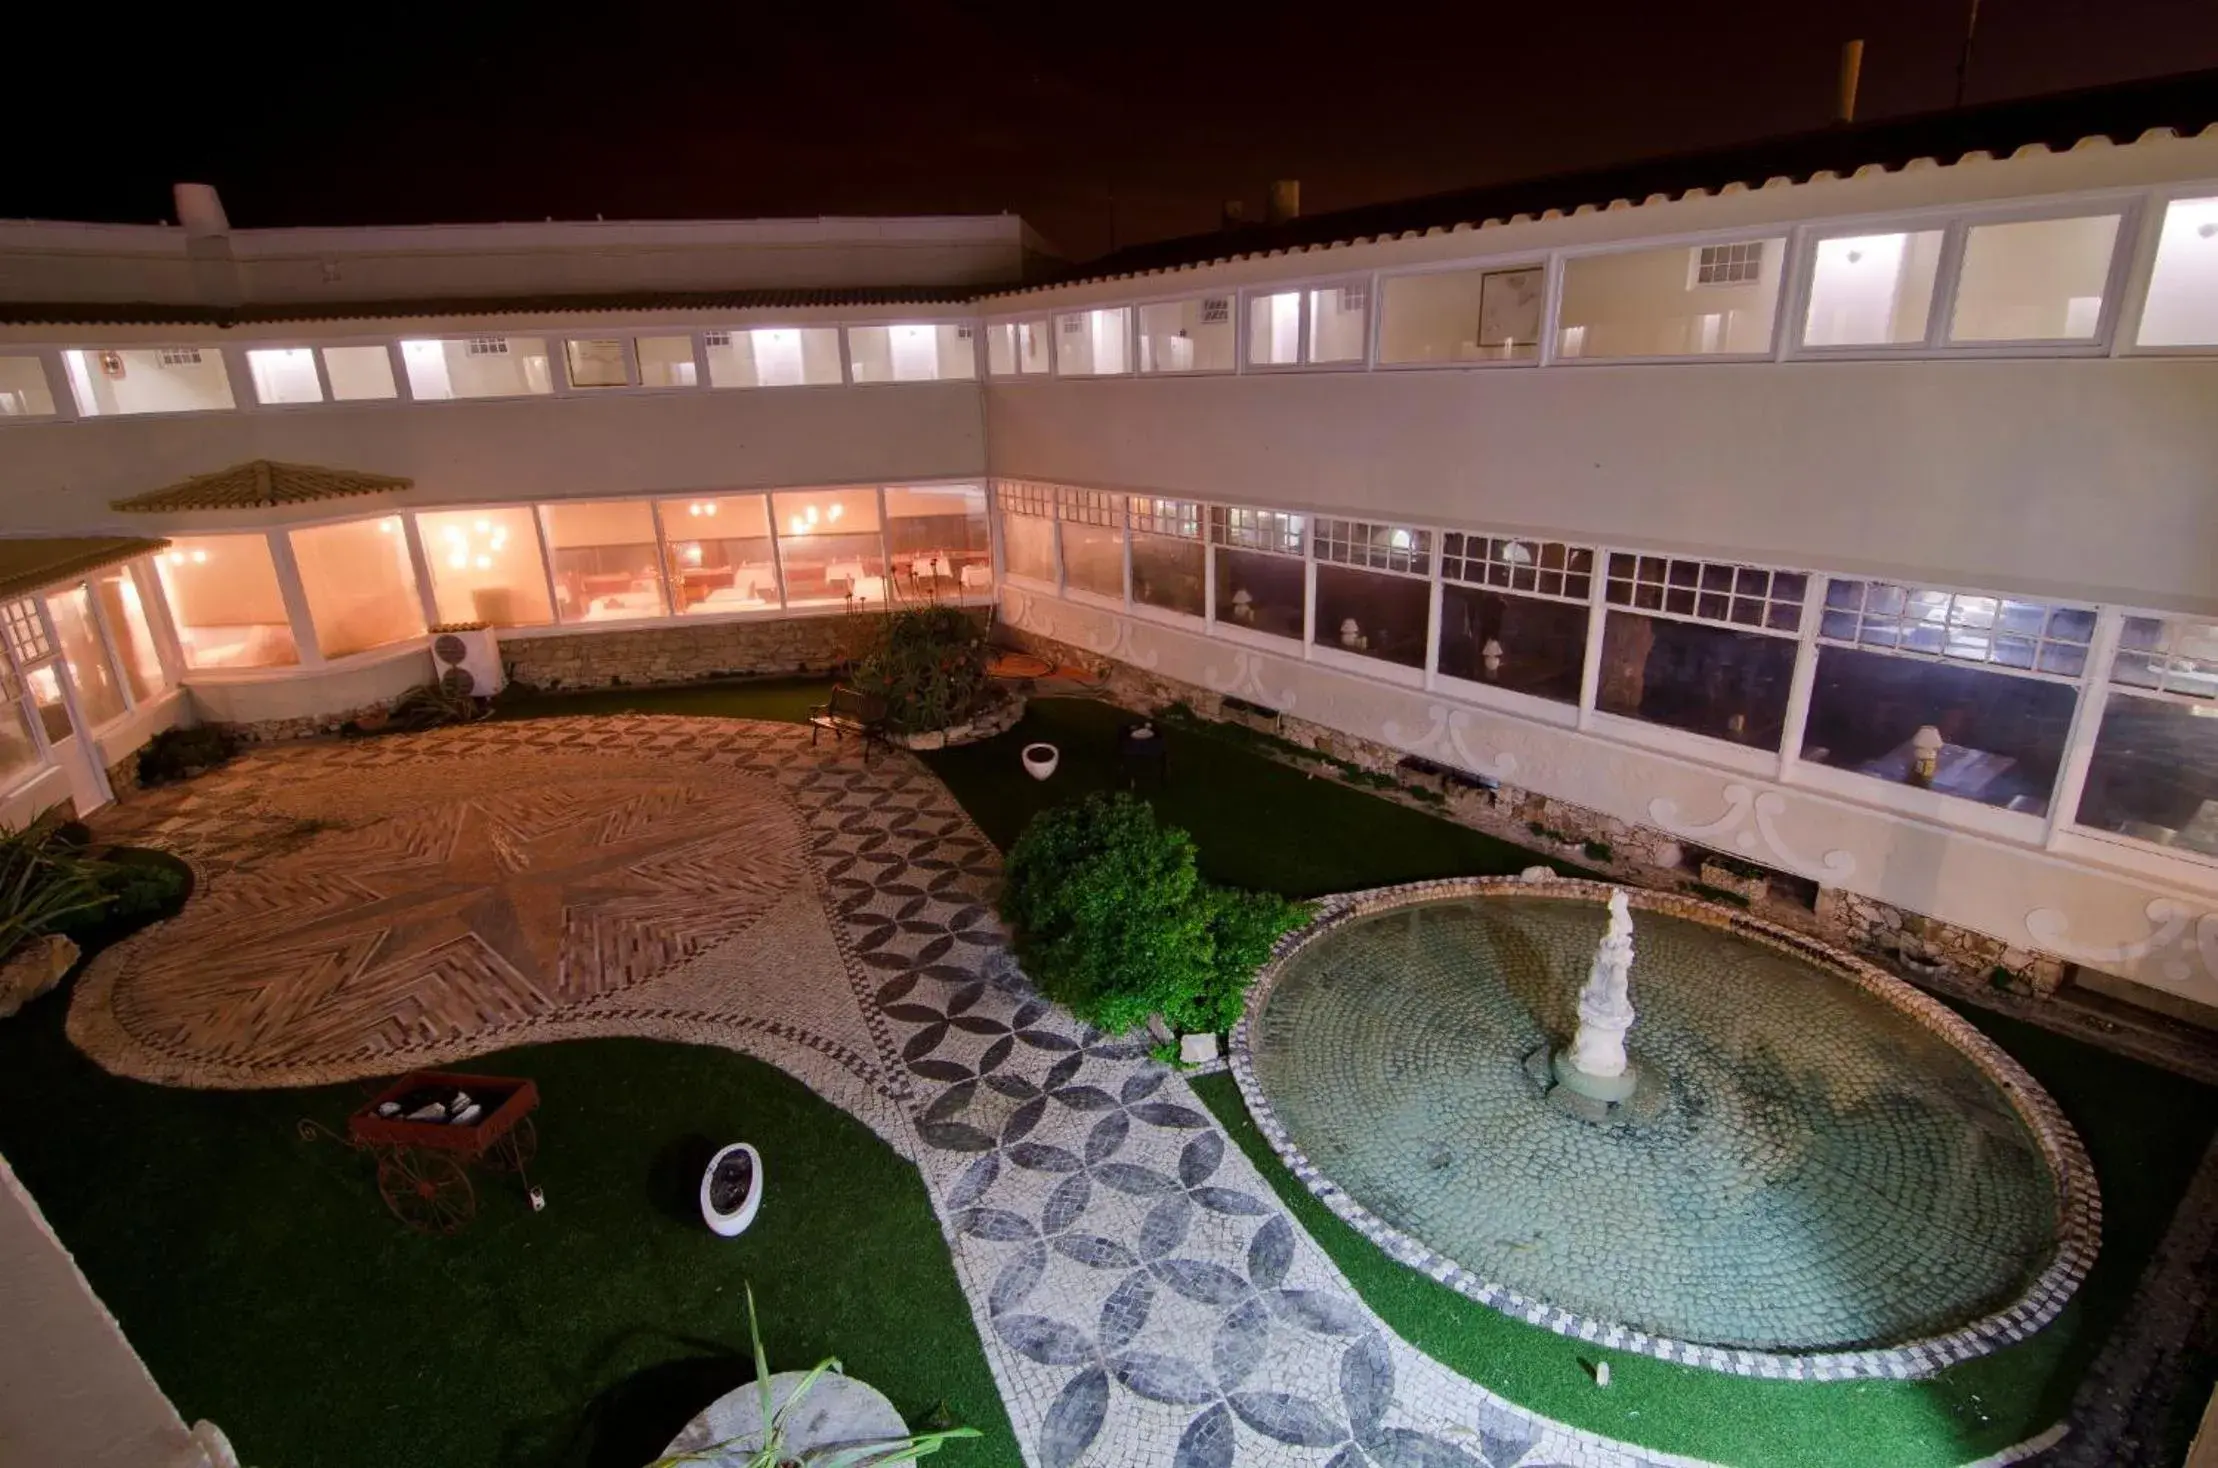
(261, 484)
(31, 562)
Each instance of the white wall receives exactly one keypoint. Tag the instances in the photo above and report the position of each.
(2082, 478)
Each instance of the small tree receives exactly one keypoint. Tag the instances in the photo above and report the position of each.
(927, 663)
(1114, 921)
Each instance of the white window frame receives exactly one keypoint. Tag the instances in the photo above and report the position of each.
(1493, 265)
(1329, 653)
(1790, 268)
(1230, 294)
(2141, 274)
(2125, 246)
(1085, 312)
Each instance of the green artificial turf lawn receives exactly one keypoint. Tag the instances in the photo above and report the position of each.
(784, 699)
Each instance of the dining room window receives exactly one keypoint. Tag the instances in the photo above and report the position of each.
(1093, 541)
(939, 539)
(360, 585)
(1374, 592)
(1170, 564)
(720, 554)
(1513, 613)
(829, 545)
(224, 598)
(1707, 647)
(1261, 569)
(2153, 773)
(603, 556)
(485, 566)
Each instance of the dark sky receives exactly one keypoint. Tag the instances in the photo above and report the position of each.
(1074, 115)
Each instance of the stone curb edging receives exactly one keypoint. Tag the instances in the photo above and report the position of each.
(2078, 1204)
(999, 719)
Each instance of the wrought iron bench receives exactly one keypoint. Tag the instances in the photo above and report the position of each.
(850, 711)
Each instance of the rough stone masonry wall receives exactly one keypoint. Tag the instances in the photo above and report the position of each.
(680, 654)
(1643, 855)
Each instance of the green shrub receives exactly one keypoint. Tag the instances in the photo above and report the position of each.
(45, 882)
(928, 665)
(1113, 920)
(179, 754)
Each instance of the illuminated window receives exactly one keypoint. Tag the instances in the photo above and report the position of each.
(2182, 306)
(360, 586)
(1169, 561)
(666, 361)
(359, 373)
(1461, 316)
(1092, 343)
(602, 553)
(485, 566)
(1093, 541)
(1704, 646)
(829, 544)
(117, 592)
(1027, 529)
(1359, 609)
(477, 367)
(1658, 303)
(1872, 289)
(1275, 329)
(23, 389)
(912, 352)
(284, 375)
(596, 362)
(99, 686)
(774, 356)
(939, 540)
(1339, 323)
(224, 598)
(1260, 571)
(2034, 280)
(721, 558)
(126, 380)
(1187, 336)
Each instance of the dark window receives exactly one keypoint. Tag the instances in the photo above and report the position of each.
(2154, 774)
(1375, 615)
(1541, 645)
(1260, 591)
(1686, 675)
(1168, 572)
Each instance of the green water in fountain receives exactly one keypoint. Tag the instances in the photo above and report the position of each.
(1826, 1172)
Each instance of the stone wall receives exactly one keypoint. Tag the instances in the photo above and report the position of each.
(681, 654)
(1621, 850)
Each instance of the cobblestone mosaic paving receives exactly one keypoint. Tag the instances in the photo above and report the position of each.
(1825, 1174)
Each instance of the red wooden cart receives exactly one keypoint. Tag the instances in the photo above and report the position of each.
(421, 1165)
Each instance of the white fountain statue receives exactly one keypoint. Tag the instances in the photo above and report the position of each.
(1595, 1066)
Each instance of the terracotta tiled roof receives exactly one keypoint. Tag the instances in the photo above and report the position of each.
(261, 484)
(33, 562)
(158, 313)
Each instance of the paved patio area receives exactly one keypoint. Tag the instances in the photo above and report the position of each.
(1142, 1297)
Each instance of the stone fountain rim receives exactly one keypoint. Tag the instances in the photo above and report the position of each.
(2078, 1202)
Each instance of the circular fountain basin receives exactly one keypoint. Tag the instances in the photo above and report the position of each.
(1837, 1176)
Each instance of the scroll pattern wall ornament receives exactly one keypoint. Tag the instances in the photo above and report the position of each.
(2169, 924)
(1749, 819)
(1246, 681)
(1443, 739)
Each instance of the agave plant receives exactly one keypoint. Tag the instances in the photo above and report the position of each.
(774, 1452)
(43, 880)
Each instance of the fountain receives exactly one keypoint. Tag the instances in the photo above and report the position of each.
(1594, 1079)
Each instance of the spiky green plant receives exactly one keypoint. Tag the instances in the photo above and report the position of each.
(43, 881)
(773, 1452)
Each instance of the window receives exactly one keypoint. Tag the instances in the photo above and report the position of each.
(1260, 575)
(26, 634)
(1187, 336)
(360, 586)
(912, 352)
(117, 592)
(359, 373)
(2001, 631)
(1027, 529)
(596, 362)
(602, 553)
(666, 361)
(831, 548)
(1169, 561)
(1367, 613)
(1513, 613)
(774, 356)
(939, 539)
(1461, 316)
(1092, 343)
(1658, 303)
(1872, 289)
(1093, 541)
(1001, 349)
(224, 598)
(284, 375)
(2035, 280)
(127, 380)
(99, 688)
(2154, 772)
(2182, 306)
(1698, 664)
(1017, 348)
(1339, 319)
(721, 559)
(485, 566)
(23, 394)
(1275, 329)
(476, 367)
(19, 749)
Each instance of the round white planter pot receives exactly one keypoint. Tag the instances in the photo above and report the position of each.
(838, 1411)
(1040, 760)
(733, 1223)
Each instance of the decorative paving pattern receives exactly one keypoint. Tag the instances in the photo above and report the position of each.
(1142, 1298)
(1840, 1166)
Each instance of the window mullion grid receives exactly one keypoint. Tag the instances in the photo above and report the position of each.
(396, 360)
(1302, 295)
(778, 542)
(846, 354)
(305, 646)
(2079, 741)
(1433, 599)
(1209, 566)
(670, 606)
(108, 645)
(546, 563)
(323, 375)
(154, 601)
(1598, 611)
(885, 541)
(88, 748)
(700, 358)
(1551, 306)
(419, 565)
(1797, 267)
(2138, 225)
(1805, 674)
(1309, 578)
(243, 396)
(1947, 272)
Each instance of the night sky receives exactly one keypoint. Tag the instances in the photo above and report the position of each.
(1101, 124)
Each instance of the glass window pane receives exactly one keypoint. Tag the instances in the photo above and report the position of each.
(224, 599)
(2182, 308)
(1169, 572)
(595, 362)
(1091, 343)
(1028, 546)
(2036, 280)
(1260, 592)
(1093, 559)
(1515, 642)
(46, 693)
(1872, 290)
(2002, 736)
(1461, 316)
(1707, 680)
(361, 590)
(774, 356)
(939, 539)
(117, 591)
(1686, 300)
(485, 566)
(1001, 349)
(1032, 348)
(99, 688)
(1377, 616)
(1187, 336)
(476, 367)
(359, 373)
(911, 352)
(2154, 773)
(665, 361)
(284, 375)
(603, 555)
(124, 380)
(19, 751)
(23, 394)
(829, 540)
(1339, 323)
(1275, 329)
(721, 558)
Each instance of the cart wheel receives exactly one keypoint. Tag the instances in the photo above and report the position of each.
(428, 1191)
(513, 1152)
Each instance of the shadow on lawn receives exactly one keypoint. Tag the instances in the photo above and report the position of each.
(632, 1422)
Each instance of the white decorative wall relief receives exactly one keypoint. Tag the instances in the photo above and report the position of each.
(1750, 820)
(2175, 933)
(1246, 681)
(1444, 740)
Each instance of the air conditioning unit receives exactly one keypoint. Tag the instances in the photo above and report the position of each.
(467, 657)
